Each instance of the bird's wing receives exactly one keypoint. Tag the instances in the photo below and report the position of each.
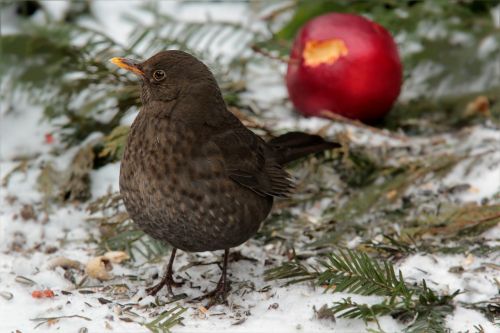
(249, 162)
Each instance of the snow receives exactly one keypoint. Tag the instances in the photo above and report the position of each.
(28, 246)
(105, 180)
(18, 146)
(487, 47)
(464, 320)
(436, 271)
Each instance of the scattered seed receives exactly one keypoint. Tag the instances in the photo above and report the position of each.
(456, 269)
(126, 319)
(324, 312)
(130, 313)
(103, 300)
(273, 306)
(218, 314)
(85, 291)
(24, 280)
(51, 249)
(27, 212)
(176, 298)
(492, 266)
(121, 289)
(239, 322)
(82, 282)
(83, 330)
(5, 294)
(117, 310)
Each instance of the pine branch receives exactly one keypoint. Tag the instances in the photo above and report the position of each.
(165, 321)
(291, 270)
(347, 308)
(350, 271)
(357, 273)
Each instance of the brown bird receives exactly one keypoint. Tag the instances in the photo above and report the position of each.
(192, 174)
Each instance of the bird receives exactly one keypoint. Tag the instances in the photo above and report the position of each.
(192, 175)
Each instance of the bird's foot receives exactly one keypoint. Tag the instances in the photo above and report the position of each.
(169, 282)
(216, 296)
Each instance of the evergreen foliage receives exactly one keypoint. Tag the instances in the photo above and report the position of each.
(355, 272)
(166, 320)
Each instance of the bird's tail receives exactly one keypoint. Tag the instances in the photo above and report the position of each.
(294, 145)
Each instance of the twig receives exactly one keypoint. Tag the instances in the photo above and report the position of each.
(357, 123)
(48, 319)
(468, 224)
(267, 54)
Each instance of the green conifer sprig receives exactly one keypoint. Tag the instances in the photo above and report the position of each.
(357, 273)
(291, 270)
(166, 320)
(416, 305)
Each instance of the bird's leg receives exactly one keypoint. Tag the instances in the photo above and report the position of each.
(167, 279)
(218, 295)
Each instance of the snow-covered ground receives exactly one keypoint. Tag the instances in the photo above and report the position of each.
(31, 240)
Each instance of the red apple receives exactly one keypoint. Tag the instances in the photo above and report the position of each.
(345, 64)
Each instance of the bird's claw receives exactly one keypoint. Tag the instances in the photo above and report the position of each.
(169, 282)
(216, 296)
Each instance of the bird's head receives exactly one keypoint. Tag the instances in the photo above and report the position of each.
(167, 74)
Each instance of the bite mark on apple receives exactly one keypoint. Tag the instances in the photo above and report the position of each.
(317, 52)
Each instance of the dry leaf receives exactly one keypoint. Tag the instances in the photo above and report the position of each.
(64, 263)
(473, 189)
(391, 194)
(469, 260)
(99, 268)
(202, 312)
(52, 321)
(479, 106)
(116, 256)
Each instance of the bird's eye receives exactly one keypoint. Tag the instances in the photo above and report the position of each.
(159, 75)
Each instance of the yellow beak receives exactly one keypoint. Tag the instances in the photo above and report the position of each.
(128, 64)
